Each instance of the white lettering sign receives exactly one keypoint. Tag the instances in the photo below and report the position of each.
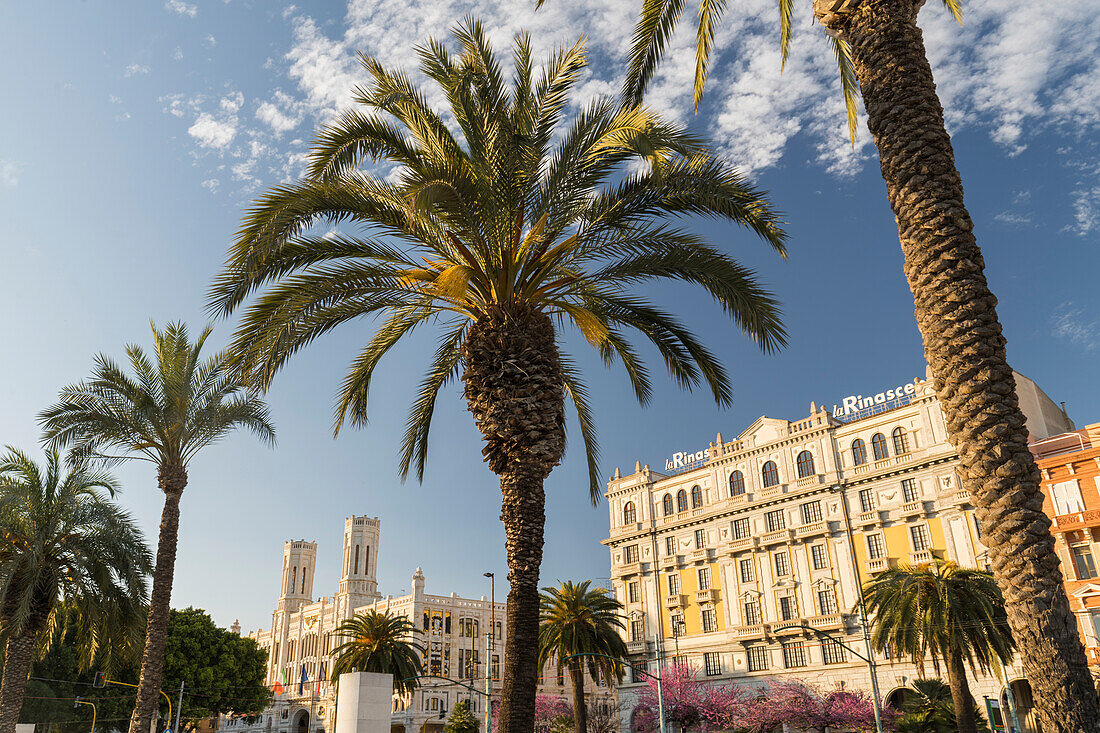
(681, 459)
(854, 403)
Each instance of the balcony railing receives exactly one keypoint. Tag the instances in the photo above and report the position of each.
(740, 545)
(706, 596)
(878, 564)
(865, 518)
(676, 601)
(812, 530)
(920, 557)
(1077, 520)
(912, 508)
(700, 555)
(828, 621)
(813, 480)
(636, 647)
(962, 496)
(777, 537)
(749, 632)
(773, 491)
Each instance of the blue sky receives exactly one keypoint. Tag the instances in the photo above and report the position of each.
(134, 134)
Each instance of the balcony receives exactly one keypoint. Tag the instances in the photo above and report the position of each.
(1077, 520)
(676, 601)
(670, 562)
(740, 545)
(773, 491)
(864, 519)
(785, 628)
(829, 621)
(738, 500)
(778, 537)
(700, 555)
(920, 557)
(912, 509)
(634, 568)
(706, 596)
(636, 648)
(814, 480)
(885, 464)
(1093, 654)
(812, 530)
(962, 496)
(748, 632)
(878, 564)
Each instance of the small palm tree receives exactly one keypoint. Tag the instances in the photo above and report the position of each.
(166, 413)
(580, 620)
(69, 558)
(379, 642)
(928, 708)
(941, 611)
(504, 237)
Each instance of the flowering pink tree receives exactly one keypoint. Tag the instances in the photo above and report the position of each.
(552, 714)
(689, 703)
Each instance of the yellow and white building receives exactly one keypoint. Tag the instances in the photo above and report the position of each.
(727, 554)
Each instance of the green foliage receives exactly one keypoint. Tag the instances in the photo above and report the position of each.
(928, 708)
(462, 720)
(508, 214)
(379, 642)
(70, 558)
(578, 619)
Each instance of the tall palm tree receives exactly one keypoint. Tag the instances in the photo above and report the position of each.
(69, 558)
(941, 611)
(379, 642)
(880, 52)
(170, 409)
(503, 240)
(580, 620)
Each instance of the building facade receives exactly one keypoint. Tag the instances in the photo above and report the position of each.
(734, 557)
(456, 641)
(1070, 467)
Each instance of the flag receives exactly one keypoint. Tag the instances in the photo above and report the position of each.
(302, 682)
(286, 676)
(277, 688)
(321, 677)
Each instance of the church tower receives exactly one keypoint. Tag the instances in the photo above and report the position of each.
(358, 585)
(299, 564)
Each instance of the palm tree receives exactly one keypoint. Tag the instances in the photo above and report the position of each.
(503, 240)
(579, 620)
(166, 413)
(945, 612)
(928, 708)
(70, 558)
(379, 642)
(880, 52)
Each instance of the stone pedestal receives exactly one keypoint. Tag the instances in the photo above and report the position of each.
(364, 703)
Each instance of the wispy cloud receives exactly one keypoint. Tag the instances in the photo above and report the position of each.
(9, 174)
(1076, 326)
(212, 132)
(181, 8)
(1086, 211)
(135, 70)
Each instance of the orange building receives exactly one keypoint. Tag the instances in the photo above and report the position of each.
(1070, 465)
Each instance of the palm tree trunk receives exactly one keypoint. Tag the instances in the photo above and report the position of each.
(580, 712)
(964, 347)
(172, 480)
(18, 659)
(960, 695)
(514, 389)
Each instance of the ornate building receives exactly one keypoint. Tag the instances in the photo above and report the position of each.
(735, 557)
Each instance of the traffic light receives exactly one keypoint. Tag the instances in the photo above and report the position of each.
(100, 680)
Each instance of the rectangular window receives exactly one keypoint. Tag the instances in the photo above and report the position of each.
(909, 490)
(700, 539)
(710, 622)
(752, 613)
(637, 672)
(712, 663)
(811, 512)
(632, 591)
(788, 608)
(876, 550)
(1067, 497)
(630, 554)
(867, 500)
(637, 630)
(747, 572)
(826, 601)
(496, 667)
(1083, 563)
(741, 528)
(467, 663)
(819, 556)
(670, 546)
(832, 652)
(678, 626)
(919, 534)
(674, 584)
(758, 658)
(782, 564)
(794, 654)
(704, 578)
(774, 521)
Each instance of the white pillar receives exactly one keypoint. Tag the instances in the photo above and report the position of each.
(364, 703)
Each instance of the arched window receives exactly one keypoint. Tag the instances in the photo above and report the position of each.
(878, 447)
(630, 515)
(805, 464)
(696, 497)
(770, 474)
(737, 483)
(666, 504)
(304, 569)
(859, 452)
(293, 578)
(681, 501)
(357, 559)
(901, 441)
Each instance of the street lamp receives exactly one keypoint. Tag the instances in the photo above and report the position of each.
(489, 652)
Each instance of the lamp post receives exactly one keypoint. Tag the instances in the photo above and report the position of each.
(489, 652)
(839, 489)
(78, 701)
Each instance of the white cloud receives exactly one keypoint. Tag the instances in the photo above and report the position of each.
(1013, 218)
(213, 133)
(231, 102)
(9, 174)
(1086, 211)
(177, 55)
(210, 41)
(113, 99)
(211, 185)
(181, 8)
(1074, 325)
(281, 113)
(134, 70)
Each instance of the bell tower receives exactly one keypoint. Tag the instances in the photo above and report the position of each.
(358, 585)
(299, 564)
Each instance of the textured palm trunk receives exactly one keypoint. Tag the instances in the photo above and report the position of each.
(514, 389)
(18, 658)
(172, 480)
(964, 346)
(960, 695)
(580, 712)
